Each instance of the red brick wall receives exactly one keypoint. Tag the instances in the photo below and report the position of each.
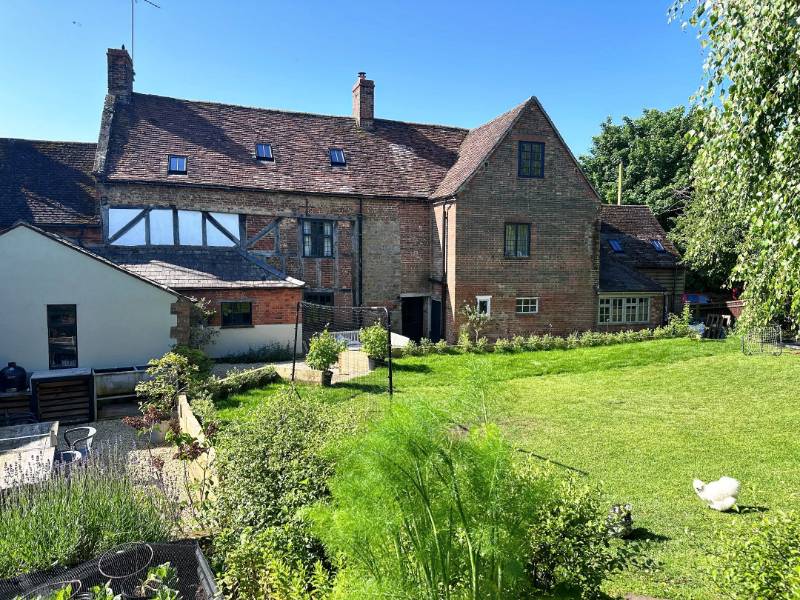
(270, 306)
(563, 268)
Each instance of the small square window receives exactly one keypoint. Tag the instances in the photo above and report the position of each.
(531, 160)
(337, 157)
(527, 306)
(177, 165)
(615, 245)
(484, 304)
(237, 314)
(658, 245)
(264, 152)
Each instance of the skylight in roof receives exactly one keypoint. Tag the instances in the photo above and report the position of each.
(176, 164)
(615, 245)
(264, 152)
(658, 245)
(337, 157)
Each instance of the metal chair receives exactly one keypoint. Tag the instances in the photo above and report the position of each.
(76, 435)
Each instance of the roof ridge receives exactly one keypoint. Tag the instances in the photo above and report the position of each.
(15, 139)
(300, 112)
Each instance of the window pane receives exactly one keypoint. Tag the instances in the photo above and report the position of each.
(161, 232)
(523, 234)
(237, 314)
(264, 151)
(328, 247)
(644, 310)
(177, 164)
(62, 335)
(214, 237)
(119, 218)
(510, 240)
(190, 227)
(133, 237)
(307, 245)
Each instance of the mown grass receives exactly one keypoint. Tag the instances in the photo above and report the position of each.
(641, 419)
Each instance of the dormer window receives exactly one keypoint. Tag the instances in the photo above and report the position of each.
(615, 246)
(264, 152)
(337, 157)
(658, 245)
(176, 165)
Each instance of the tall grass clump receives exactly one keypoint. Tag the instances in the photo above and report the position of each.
(423, 509)
(77, 514)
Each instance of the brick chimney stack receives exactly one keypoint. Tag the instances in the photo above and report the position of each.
(120, 74)
(364, 101)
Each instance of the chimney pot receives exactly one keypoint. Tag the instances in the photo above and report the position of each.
(120, 74)
(364, 101)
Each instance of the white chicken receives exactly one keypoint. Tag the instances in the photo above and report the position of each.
(720, 495)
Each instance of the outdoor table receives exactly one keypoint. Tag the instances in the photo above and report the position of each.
(27, 452)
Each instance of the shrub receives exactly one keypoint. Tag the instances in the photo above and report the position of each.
(426, 346)
(441, 347)
(477, 321)
(240, 381)
(197, 358)
(759, 560)
(518, 342)
(375, 341)
(411, 349)
(503, 345)
(324, 351)
(170, 376)
(418, 508)
(73, 517)
(273, 352)
(270, 467)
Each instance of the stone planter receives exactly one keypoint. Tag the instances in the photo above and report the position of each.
(325, 378)
(374, 363)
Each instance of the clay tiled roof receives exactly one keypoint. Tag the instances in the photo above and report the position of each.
(392, 159)
(476, 147)
(188, 268)
(616, 276)
(635, 227)
(47, 183)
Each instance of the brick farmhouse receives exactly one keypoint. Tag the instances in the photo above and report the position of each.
(257, 209)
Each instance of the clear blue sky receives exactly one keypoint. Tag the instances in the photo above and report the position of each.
(458, 63)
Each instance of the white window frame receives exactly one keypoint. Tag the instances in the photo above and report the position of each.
(488, 300)
(618, 308)
(532, 300)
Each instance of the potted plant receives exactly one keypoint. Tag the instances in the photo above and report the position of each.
(323, 352)
(375, 343)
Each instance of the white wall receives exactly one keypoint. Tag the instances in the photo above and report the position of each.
(236, 340)
(122, 320)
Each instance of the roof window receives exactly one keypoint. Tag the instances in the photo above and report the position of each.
(615, 245)
(264, 152)
(658, 245)
(176, 165)
(337, 157)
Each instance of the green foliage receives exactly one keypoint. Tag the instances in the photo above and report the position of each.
(504, 345)
(270, 467)
(73, 517)
(477, 321)
(375, 341)
(197, 358)
(420, 510)
(324, 351)
(759, 560)
(656, 160)
(200, 314)
(744, 221)
(273, 352)
(170, 376)
(239, 381)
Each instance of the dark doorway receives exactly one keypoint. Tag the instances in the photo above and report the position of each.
(413, 310)
(436, 320)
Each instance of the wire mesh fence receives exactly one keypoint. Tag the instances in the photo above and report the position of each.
(763, 340)
(123, 568)
(345, 324)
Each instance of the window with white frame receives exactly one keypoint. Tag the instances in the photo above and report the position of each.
(527, 306)
(624, 310)
(484, 304)
(156, 227)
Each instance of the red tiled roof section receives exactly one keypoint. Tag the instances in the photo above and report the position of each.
(47, 183)
(392, 159)
(635, 226)
(475, 148)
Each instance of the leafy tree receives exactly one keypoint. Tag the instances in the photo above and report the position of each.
(744, 218)
(656, 161)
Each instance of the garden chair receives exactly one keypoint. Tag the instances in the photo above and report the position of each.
(76, 435)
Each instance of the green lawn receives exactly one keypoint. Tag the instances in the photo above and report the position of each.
(641, 419)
